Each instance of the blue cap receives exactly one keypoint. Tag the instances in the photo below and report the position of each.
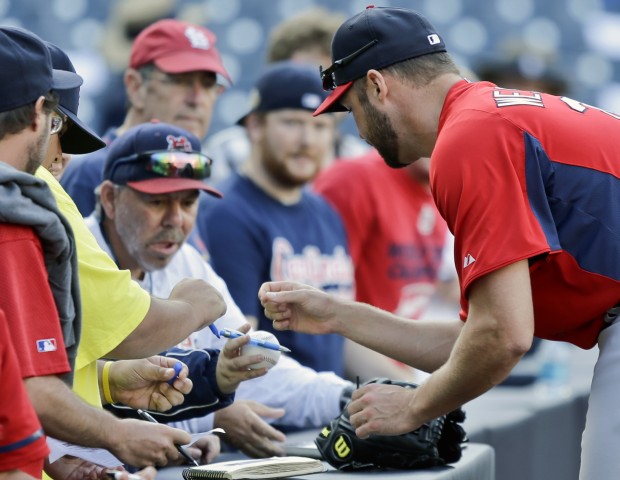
(78, 138)
(374, 39)
(286, 85)
(125, 166)
(26, 69)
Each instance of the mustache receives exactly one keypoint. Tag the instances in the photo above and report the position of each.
(169, 236)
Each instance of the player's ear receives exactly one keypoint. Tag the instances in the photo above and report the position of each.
(107, 195)
(376, 85)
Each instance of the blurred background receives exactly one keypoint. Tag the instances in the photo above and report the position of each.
(574, 42)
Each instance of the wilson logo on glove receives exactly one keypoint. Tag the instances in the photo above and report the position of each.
(342, 447)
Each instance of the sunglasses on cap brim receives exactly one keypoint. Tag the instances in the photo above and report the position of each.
(328, 76)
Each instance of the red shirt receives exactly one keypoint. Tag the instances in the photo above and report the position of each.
(523, 175)
(396, 235)
(22, 443)
(28, 304)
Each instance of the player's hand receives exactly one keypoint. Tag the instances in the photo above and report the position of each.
(205, 449)
(247, 431)
(144, 383)
(382, 410)
(140, 443)
(232, 368)
(298, 307)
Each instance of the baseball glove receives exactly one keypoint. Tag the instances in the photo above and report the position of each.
(435, 443)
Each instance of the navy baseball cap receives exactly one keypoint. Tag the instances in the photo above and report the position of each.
(78, 138)
(158, 158)
(26, 71)
(286, 85)
(373, 39)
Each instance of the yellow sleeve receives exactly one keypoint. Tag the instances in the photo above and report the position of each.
(113, 305)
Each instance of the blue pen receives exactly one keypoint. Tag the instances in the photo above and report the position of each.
(177, 369)
(213, 328)
(225, 332)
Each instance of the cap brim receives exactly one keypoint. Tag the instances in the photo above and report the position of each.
(63, 80)
(190, 61)
(157, 186)
(332, 102)
(79, 138)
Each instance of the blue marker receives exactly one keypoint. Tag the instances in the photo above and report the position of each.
(177, 369)
(254, 341)
(213, 328)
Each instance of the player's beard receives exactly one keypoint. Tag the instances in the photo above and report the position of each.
(380, 133)
(36, 152)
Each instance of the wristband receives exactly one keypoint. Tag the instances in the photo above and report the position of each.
(105, 381)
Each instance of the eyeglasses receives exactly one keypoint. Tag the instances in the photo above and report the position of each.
(174, 163)
(328, 76)
(59, 123)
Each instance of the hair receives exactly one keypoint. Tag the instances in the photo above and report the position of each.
(16, 120)
(418, 71)
(312, 28)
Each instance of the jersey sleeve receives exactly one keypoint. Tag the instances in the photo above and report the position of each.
(478, 182)
(29, 304)
(22, 442)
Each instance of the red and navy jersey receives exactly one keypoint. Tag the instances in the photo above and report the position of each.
(22, 442)
(524, 175)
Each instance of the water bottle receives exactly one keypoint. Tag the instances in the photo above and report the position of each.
(554, 374)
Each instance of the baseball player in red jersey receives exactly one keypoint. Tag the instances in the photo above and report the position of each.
(528, 183)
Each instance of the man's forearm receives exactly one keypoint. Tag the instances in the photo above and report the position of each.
(423, 344)
(67, 417)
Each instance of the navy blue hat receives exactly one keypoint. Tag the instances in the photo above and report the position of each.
(26, 69)
(78, 138)
(130, 156)
(286, 85)
(373, 39)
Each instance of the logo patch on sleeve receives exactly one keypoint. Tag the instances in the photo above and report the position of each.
(46, 345)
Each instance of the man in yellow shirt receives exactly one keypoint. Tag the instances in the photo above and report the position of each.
(120, 320)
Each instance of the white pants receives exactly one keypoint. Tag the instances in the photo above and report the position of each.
(600, 444)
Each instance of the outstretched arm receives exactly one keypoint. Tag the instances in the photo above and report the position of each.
(66, 417)
(193, 301)
(423, 344)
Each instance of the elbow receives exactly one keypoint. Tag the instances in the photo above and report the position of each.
(515, 347)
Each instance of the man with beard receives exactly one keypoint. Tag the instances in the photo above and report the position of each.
(529, 183)
(269, 226)
(147, 207)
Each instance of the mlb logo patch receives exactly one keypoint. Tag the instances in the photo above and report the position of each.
(433, 39)
(46, 345)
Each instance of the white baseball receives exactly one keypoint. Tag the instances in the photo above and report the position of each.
(269, 357)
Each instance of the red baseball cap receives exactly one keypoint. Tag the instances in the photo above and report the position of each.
(177, 47)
